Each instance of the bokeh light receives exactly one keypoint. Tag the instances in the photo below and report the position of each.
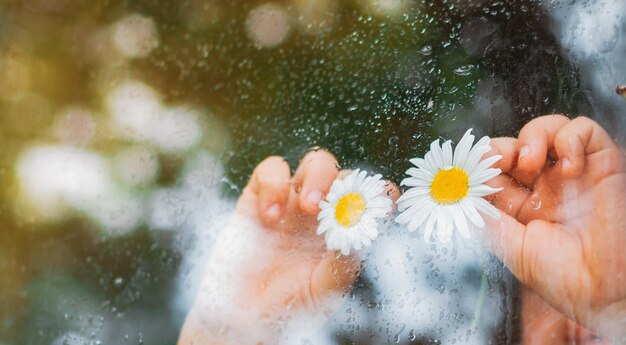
(268, 25)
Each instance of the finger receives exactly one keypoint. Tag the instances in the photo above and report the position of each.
(392, 192)
(507, 148)
(313, 178)
(536, 255)
(512, 196)
(270, 182)
(577, 139)
(334, 273)
(536, 140)
(343, 173)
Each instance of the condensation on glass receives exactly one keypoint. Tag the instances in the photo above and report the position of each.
(129, 129)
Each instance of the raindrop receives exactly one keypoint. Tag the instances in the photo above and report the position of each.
(464, 70)
(118, 282)
(537, 205)
(426, 50)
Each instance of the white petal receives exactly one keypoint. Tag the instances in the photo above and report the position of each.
(482, 190)
(366, 241)
(357, 180)
(404, 217)
(420, 214)
(460, 221)
(423, 165)
(486, 163)
(373, 185)
(369, 228)
(325, 225)
(417, 201)
(483, 176)
(476, 153)
(355, 240)
(379, 202)
(326, 213)
(337, 190)
(485, 207)
(437, 153)
(462, 148)
(432, 162)
(413, 192)
(332, 241)
(345, 245)
(420, 174)
(470, 211)
(348, 182)
(447, 153)
(428, 228)
(444, 226)
(413, 182)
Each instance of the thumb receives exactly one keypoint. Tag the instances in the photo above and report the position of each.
(334, 273)
(541, 255)
(504, 238)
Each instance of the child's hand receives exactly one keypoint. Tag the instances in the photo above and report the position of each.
(564, 231)
(280, 264)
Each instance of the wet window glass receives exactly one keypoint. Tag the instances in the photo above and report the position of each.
(301, 172)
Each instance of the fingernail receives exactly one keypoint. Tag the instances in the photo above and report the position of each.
(524, 151)
(314, 197)
(273, 211)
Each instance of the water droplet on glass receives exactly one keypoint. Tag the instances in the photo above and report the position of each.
(464, 70)
(118, 282)
(536, 205)
(426, 50)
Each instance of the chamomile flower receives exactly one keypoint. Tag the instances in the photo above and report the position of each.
(447, 189)
(349, 215)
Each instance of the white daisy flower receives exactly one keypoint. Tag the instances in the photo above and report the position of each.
(349, 215)
(447, 189)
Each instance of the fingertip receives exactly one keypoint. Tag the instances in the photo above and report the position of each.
(310, 200)
(536, 139)
(392, 192)
(315, 175)
(531, 157)
(571, 154)
(271, 183)
(506, 149)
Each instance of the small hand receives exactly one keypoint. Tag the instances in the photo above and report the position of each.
(563, 231)
(276, 262)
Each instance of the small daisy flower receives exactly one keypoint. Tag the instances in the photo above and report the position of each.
(349, 215)
(447, 189)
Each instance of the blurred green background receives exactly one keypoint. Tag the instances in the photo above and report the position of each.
(107, 105)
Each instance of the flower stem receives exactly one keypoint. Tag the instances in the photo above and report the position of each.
(480, 303)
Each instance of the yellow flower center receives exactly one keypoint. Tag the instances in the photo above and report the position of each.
(349, 209)
(449, 186)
